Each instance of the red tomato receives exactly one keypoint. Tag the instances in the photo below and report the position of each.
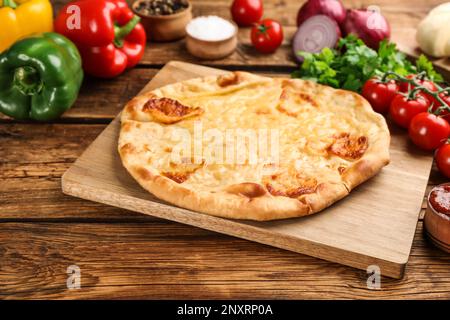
(380, 94)
(430, 85)
(428, 131)
(403, 110)
(404, 86)
(442, 157)
(246, 12)
(267, 36)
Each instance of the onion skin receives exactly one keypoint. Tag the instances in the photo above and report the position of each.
(369, 26)
(331, 8)
(329, 35)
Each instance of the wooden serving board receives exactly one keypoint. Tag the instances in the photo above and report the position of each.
(374, 225)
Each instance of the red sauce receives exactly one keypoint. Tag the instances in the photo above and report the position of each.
(440, 199)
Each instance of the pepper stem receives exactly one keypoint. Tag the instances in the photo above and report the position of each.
(10, 3)
(122, 32)
(28, 80)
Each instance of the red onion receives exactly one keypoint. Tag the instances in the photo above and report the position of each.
(332, 8)
(315, 34)
(369, 25)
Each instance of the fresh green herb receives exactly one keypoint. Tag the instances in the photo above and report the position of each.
(353, 63)
(423, 64)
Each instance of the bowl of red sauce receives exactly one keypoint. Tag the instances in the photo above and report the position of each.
(437, 216)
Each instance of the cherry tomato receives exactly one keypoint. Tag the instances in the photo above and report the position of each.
(267, 36)
(403, 110)
(380, 94)
(430, 85)
(442, 157)
(404, 86)
(246, 12)
(428, 131)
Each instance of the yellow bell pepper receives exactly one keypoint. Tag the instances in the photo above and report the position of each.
(21, 18)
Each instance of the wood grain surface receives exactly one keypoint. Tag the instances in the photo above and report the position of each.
(125, 255)
(374, 225)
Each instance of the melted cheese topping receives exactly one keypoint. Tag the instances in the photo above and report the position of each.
(307, 121)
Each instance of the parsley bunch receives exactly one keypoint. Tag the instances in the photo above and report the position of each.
(353, 63)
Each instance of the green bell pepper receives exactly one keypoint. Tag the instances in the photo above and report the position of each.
(40, 77)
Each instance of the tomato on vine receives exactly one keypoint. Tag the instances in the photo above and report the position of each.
(379, 93)
(405, 87)
(403, 109)
(267, 36)
(420, 106)
(428, 131)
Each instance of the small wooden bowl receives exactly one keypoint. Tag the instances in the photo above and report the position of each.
(165, 28)
(437, 226)
(212, 50)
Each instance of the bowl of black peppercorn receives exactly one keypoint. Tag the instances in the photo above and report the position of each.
(164, 20)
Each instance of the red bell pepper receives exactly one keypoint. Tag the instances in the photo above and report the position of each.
(107, 33)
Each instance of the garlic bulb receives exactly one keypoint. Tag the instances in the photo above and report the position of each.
(433, 32)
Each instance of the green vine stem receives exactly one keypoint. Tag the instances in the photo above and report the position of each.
(390, 75)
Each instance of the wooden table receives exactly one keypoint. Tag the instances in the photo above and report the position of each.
(122, 254)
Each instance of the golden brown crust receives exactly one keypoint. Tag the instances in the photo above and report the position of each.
(377, 155)
(292, 185)
(223, 204)
(326, 194)
(353, 157)
(168, 111)
(349, 147)
(247, 189)
(230, 79)
(363, 170)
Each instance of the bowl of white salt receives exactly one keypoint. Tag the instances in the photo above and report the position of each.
(211, 37)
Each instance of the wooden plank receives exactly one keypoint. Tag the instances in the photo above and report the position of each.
(402, 15)
(33, 158)
(40, 198)
(340, 234)
(100, 100)
(157, 260)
